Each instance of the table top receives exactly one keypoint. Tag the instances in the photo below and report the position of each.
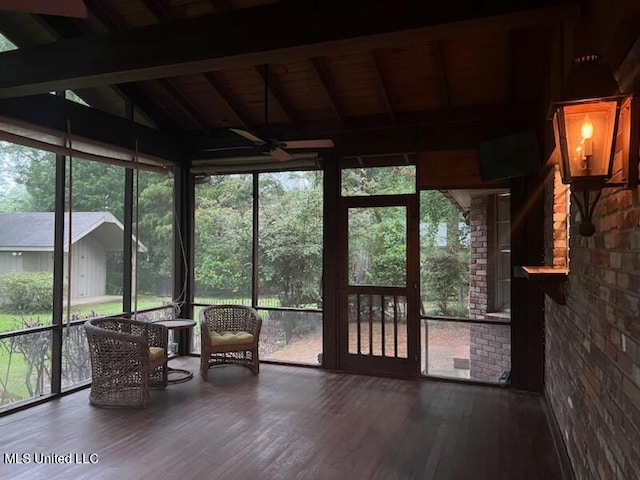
(177, 323)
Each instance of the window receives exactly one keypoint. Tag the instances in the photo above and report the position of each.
(499, 237)
(273, 264)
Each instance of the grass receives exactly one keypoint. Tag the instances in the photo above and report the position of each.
(16, 321)
(14, 368)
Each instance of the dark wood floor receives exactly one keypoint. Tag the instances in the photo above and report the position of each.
(290, 423)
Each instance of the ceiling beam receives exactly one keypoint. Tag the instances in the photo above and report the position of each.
(382, 85)
(158, 10)
(276, 92)
(440, 129)
(279, 33)
(184, 104)
(221, 5)
(52, 112)
(320, 71)
(440, 71)
(229, 98)
(99, 97)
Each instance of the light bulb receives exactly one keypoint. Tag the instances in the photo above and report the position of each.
(586, 130)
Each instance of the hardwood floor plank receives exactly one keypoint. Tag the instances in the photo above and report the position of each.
(290, 423)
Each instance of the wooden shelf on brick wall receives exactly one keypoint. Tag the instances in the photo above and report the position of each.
(549, 279)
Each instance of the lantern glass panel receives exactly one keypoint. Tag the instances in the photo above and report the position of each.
(589, 128)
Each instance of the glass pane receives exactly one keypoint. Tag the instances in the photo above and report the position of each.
(223, 240)
(445, 253)
(93, 264)
(25, 367)
(589, 135)
(27, 199)
(290, 239)
(377, 246)
(377, 325)
(76, 364)
(292, 337)
(447, 349)
(475, 351)
(155, 229)
(379, 180)
(195, 337)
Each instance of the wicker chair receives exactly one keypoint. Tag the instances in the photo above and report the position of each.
(127, 359)
(229, 334)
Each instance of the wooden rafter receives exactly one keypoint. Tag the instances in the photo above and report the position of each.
(184, 104)
(510, 87)
(229, 98)
(440, 71)
(65, 28)
(280, 33)
(440, 129)
(221, 5)
(321, 74)
(159, 11)
(52, 112)
(275, 90)
(382, 85)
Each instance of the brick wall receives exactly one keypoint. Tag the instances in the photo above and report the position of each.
(489, 345)
(489, 351)
(478, 231)
(592, 344)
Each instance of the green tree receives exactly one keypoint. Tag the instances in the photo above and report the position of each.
(290, 242)
(442, 274)
(223, 236)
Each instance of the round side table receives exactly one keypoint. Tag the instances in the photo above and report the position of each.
(177, 375)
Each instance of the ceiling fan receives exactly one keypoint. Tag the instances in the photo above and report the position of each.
(272, 146)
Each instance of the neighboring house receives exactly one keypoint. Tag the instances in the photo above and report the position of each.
(26, 245)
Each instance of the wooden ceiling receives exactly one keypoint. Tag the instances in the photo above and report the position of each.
(376, 76)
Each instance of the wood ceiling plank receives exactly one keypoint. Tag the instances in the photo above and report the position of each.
(185, 105)
(382, 85)
(276, 91)
(320, 71)
(158, 10)
(440, 70)
(280, 33)
(227, 95)
(429, 130)
(477, 68)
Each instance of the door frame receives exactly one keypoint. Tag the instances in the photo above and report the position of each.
(373, 364)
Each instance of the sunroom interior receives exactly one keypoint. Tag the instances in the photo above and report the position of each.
(379, 180)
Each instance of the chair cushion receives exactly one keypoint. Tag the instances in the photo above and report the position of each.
(231, 338)
(156, 353)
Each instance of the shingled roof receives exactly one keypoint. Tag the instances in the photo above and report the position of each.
(33, 231)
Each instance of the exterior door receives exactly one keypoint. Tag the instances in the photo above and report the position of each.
(378, 324)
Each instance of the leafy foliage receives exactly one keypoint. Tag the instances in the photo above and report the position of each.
(26, 292)
(290, 238)
(223, 236)
(442, 272)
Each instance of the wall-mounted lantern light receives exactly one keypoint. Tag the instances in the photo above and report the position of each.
(585, 125)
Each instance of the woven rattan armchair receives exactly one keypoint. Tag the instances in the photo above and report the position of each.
(229, 334)
(127, 359)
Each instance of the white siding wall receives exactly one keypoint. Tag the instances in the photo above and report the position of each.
(88, 269)
(89, 266)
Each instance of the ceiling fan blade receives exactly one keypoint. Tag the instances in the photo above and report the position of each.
(320, 143)
(63, 8)
(222, 149)
(280, 154)
(248, 136)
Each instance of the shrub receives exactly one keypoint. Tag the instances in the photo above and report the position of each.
(443, 272)
(26, 292)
